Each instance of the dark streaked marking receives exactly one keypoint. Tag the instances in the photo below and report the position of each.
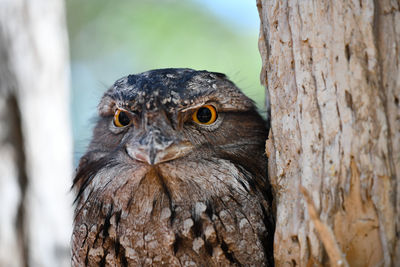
(228, 254)
(244, 185)
(347, 52)
(107, 222)
(209, 209)
(153, 207)
(117, 217)
(173, 214)
(103, 259)
(267, 239)
(177, 243)
(97, 235)
(87, 257)
(197, 226)
(120, 253)
(86, 236)
(209, 248)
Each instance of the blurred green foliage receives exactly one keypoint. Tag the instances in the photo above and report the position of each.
(110, 39)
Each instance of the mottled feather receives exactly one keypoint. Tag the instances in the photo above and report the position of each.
(199, 197)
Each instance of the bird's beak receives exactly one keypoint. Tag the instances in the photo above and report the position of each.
(154, 149)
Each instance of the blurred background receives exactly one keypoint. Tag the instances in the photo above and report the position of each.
(111, 39)
(56, 59)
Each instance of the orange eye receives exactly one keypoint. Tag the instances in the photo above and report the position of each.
(206, 114)
(121, 118)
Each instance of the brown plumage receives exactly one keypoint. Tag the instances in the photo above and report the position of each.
(175, 176)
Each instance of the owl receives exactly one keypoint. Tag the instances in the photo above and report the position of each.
(175, 175)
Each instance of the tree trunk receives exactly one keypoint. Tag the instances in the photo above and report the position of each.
(35, 141)
(332, 72)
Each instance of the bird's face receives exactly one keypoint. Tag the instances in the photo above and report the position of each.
(161, 116)
(151, 137)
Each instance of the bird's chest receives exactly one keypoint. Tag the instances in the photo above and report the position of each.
(166, 236)
(169, 221)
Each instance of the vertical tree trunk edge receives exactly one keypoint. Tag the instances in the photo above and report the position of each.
(332, 75)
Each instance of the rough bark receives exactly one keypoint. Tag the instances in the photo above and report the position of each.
(35, 141)
(332, 72)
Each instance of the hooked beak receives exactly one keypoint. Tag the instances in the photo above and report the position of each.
(154, 153)
(155, 141)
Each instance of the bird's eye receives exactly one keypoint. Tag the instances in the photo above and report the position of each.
(206, 114)
(121, 118)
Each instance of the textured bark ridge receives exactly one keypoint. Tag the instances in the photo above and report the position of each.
(332, 72)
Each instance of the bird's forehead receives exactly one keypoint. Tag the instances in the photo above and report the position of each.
(169, 88)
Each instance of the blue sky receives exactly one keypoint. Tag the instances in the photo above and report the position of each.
(241, 12)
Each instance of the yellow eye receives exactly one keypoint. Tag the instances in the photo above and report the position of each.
(121, 118)
(206, 114)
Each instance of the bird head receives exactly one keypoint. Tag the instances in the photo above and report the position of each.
(163, 115)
